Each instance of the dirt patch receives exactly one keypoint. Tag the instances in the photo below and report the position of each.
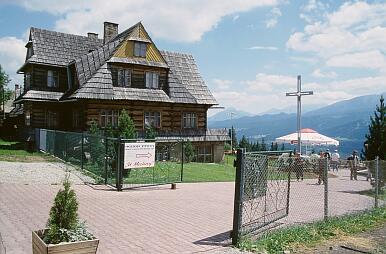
(369, 242)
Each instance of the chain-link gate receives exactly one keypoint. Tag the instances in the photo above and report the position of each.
(261, 191)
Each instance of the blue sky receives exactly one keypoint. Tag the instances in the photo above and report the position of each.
(248, 51)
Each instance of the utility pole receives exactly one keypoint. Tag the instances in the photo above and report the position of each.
(231, 114)
(299, 95)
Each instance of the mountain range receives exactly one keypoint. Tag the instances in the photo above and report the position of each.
(346, 121)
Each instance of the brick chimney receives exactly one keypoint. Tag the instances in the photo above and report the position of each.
(110, 31)
(92, 36)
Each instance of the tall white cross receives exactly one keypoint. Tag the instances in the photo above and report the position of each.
(299, 95)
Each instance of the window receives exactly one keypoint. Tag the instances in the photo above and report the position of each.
(140, 49)
(109, 117)
(29, 52)
(204, 153)
(124, 78)
(189, 120)
(51, 119)
(75, 118)
(152, 80)
(153, 119)
(52, 79)
(27, 80)
(27, 118)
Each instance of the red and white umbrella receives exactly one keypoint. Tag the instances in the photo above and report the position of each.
(308, 137)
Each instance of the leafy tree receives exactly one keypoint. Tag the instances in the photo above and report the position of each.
(188, 151)
(126, 127)
(227, 147)
(94, 129)
(375, 144)
(4, 80)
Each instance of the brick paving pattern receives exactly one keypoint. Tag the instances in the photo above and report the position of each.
(194, 218)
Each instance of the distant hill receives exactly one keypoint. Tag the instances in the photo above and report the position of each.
(346, 121)
(226, 114)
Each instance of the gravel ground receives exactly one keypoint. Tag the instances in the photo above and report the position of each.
(39, 173)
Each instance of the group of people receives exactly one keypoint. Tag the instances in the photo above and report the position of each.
(326, 159)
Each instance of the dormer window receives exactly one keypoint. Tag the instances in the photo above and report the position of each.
(140, 49)
(29, 52)
(121, 77)
(52, 79)
(152, 80)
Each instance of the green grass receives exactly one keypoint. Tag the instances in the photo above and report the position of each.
(310, 235)
(7, 143)
(12, 151)
(371, 193)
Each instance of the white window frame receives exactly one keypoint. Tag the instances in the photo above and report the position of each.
(189, 120)
(27, 117)
(123, 77)
(140, 49)
(152, 119)
(109, 117)
(52, 78)
(27, 79)
(152, 80)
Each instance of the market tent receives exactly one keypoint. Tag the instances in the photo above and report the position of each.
(308, 137)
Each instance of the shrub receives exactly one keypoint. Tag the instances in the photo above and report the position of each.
(63, 223)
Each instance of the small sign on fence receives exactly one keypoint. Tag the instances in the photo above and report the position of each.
(139, 155)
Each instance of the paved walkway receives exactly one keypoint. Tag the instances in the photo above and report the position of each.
(194, 218)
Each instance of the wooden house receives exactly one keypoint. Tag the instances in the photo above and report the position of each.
(71, 80)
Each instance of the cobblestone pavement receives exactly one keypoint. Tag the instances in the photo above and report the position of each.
(194, 218)
(39, 173)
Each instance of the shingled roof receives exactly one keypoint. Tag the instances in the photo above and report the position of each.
(91, 58)
(54, 48)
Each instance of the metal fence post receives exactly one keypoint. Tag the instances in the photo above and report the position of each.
(325, 176)
(376, 181)
(82, 152)
(289, 184)
(182, 160)
(237, 209)
(119, 165)
(106, 158)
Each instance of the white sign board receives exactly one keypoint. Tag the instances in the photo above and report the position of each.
(139, 155)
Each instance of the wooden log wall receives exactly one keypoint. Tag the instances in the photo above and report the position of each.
(138, 74)
(39, 77)
(171, 114)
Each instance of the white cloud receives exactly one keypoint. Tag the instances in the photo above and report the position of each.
(317, 73)
(222, 84)
(355, 26)
(172, 19)
(274, 16)
(267, 91)
(263, 48)
(12, 56)
(310, 60)
(370, 60)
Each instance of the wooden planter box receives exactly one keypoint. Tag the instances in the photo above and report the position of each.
(40, 247)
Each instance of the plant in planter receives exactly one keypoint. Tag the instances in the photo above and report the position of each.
(65, 233)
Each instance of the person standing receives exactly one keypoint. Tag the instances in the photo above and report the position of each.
(321, 167)
(335, 159)
(299, 167)
(354, 163)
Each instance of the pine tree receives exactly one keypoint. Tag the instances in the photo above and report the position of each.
(150, 132)
(375, 144)
(244, 143)
(188, 151)
(263, 145)
(282, 147)
(126, 127)
(94, 130)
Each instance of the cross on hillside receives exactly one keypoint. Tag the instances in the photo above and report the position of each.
(299, 95)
